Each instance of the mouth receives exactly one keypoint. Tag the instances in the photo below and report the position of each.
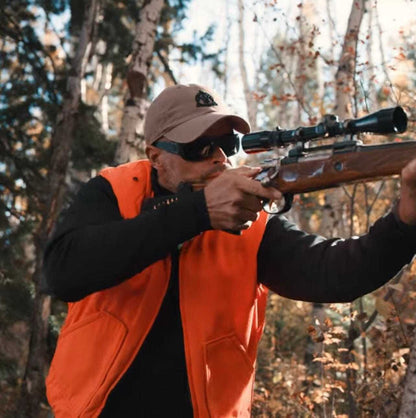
(212, 176)
(215, 172)
(209, 176)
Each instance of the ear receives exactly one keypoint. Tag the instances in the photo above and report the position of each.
(153, 154)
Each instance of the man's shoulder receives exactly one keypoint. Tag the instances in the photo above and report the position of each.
(127, 168)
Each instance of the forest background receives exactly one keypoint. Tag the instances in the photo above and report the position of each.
(76, 78)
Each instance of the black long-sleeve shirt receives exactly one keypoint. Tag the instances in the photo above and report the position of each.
(94, 248)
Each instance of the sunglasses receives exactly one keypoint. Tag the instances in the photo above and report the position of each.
(203, 147)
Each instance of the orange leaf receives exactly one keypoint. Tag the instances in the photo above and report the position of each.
(384, 308)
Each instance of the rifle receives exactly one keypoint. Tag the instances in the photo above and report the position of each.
(308, 168)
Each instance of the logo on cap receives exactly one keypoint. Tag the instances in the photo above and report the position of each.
(204, 99)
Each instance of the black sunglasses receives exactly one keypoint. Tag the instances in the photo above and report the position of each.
(203, 147)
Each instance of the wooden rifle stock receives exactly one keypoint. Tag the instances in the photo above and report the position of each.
(362, 163)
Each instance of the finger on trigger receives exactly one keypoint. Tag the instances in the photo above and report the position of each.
(256, 188)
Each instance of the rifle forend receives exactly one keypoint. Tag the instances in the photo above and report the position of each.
(384, 121)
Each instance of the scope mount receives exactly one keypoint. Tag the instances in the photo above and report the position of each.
(302, 149)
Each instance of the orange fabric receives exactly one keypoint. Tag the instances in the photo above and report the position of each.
(222, 310)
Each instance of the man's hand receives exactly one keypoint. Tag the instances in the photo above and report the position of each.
(407, 204)
(234, 199)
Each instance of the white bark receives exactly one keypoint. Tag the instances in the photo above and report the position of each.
(333, 217)
(336, 212)
(248, 95)
(371, 95)
(131, 143)
(344, 78)
(105, 88)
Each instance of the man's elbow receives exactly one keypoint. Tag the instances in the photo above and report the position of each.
(57, 283)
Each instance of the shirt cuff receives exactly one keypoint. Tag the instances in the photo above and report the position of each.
(202, 214)
(404, 227)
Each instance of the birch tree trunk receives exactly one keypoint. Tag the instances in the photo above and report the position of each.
(333, 219)
(249, 99)
(371, 95)
(344, 78)
(33, 382)
(331, 27)
(345, 92)
(300, 64)
(131, 145)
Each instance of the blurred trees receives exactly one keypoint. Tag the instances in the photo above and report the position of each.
(54, 191)
(301, 369)
(129, 148)
(43, 120)
(62, 87)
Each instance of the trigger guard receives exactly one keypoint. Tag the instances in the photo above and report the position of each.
(288, 198)
(288, 203)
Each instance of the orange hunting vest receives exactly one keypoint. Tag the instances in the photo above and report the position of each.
(222, 309)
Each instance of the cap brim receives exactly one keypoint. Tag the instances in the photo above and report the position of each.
(192, 129)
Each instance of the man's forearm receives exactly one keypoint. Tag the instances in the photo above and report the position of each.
(93, 255)
(307, 267)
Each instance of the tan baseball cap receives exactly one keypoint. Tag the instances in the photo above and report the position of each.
(182, 113)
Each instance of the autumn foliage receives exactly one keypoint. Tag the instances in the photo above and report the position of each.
(366, 342)
(314, 360)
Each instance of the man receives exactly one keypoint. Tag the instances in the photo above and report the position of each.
(166, 305)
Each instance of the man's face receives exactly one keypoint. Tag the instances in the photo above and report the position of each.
(173, 169)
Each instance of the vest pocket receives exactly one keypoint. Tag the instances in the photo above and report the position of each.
(229, 378)
(84, 354)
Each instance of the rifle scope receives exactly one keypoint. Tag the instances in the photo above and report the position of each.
(384, 121)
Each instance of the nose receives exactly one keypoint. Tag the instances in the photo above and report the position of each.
(218, 156)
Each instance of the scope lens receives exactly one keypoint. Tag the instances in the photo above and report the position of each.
(399, 120)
